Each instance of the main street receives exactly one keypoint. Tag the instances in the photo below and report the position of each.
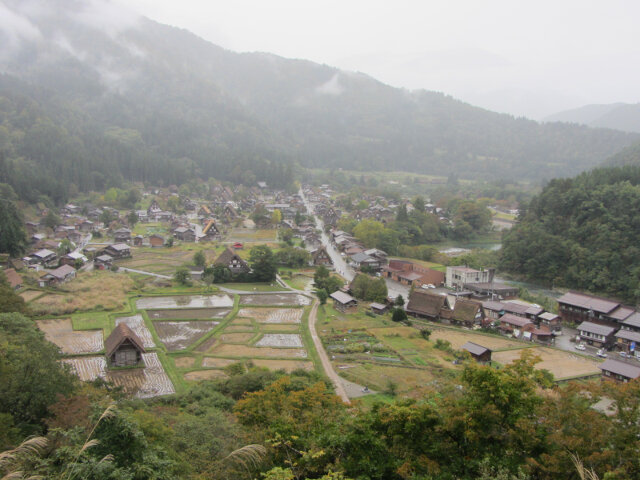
(341, 267)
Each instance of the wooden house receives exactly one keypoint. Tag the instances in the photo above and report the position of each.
(156, 240)
(233, 262)
(59, 275)
(379, 308)
(122, 235)
(426, 304)
(185, 234)
(514, 325)
(466, 312)
(123, 347)
(479, 353)
(119, 250)
(210, 232)
(619, 371)
(597, 334)
(103, 262)
(319, 256)
(344, 302)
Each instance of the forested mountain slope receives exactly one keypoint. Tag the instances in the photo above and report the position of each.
(582, 233)
(91, 93)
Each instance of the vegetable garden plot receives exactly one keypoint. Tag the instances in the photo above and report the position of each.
(136, 323)
(180, 335)
(61, 333)
(237, 337)
(276, 299)
(272, 315)
(280, 340)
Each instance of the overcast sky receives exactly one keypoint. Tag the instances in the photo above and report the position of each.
(528, 58)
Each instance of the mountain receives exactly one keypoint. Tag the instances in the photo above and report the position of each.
(91, 94)
(627, 156)
(617, 116)
(581, 233)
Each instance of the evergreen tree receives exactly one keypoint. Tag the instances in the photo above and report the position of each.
(13, 239)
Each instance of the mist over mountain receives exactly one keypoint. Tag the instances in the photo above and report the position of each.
(91, 94)
(618, 116)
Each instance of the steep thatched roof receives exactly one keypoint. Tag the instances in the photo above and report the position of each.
(228, 256)
(425, 303)
(119, 334)
(465, 310)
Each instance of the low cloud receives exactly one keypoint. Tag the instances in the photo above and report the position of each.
(108, 17)
(14, 28)
(331, 87)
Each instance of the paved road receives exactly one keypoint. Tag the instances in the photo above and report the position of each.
(394, 288)
(157, 275)
(324, 358)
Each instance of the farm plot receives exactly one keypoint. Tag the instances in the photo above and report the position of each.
(278, 328)
(188, 313)
(147, 382)
(244, 351)
(212, 362)
(184, 362)
(272, 315)
(150, 381)
(205, 375)
(239, 328)
(280, 340)
(275, 299)
(136, 323)
(253, 235)
(30, 295)
(185, 301)
(457, 338)
(288, 365)
(87, 368)
(237, 337)
(179, 335)
(61, 333)
(562, 364)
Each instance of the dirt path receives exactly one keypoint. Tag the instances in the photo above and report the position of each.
(324, 359)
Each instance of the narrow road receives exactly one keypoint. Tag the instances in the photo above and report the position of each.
(157, 275)
(324, 358)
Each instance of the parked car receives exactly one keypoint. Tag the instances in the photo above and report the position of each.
(581, 347)
(601, 353)
(623, 354)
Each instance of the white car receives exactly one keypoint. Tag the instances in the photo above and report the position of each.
(601, 353)
(581, 347)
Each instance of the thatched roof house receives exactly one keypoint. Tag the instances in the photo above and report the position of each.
(123, 347)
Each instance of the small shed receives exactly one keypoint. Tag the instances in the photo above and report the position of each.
(123, 347)
(379, 308)
(479, 353)
(344, 302)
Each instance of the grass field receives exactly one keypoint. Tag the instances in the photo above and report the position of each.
(96, 290)
(252, 235)
(562, 364)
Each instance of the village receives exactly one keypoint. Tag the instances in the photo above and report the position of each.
(183, 331)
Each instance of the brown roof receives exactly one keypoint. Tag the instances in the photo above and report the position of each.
(620, 368)
(465, 310)
(227, 256)
(425, 303)
(474, 348)
(119, 334)
(589, 302)
(515, 320)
